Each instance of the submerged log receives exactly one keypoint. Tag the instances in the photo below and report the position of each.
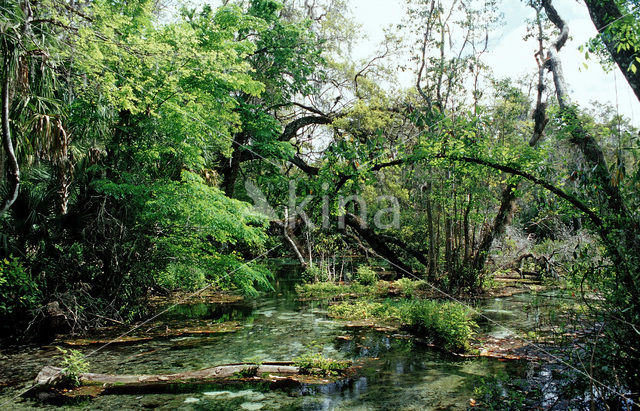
(160, 333)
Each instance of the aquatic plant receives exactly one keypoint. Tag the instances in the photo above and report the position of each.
(248, 372)
(448, 324)
(74, 364)
(408, 287)
(318, 364)
(315, 273)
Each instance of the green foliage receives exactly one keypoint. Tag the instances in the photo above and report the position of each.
(131, 129)
(363, 309)
(366, 276)
(327, 289)
(18, 291)
(153, 107)
(447, 323)
(74, 364)
(181, 276)
(621, 34)
(248, 372)
(196, 223)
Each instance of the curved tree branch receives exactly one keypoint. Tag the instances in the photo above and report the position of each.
(538, 181)
(292, 128)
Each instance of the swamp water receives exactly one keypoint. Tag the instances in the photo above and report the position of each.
(397, 372)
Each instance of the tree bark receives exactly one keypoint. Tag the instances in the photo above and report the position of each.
(292, 128)
(603, 14)
(230, 172)
(240, 155)
(431, 275)
(13, 170)
(465, 223)
(621, 232)
(292, 243)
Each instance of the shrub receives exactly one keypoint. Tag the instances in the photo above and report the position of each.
(363, 310)
(366, 276)
(448, 323)
(18, 291)
(329, 289)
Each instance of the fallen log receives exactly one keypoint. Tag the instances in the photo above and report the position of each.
(277, 374)
(50, 376)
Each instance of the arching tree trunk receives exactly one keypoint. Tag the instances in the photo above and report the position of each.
(378, 244)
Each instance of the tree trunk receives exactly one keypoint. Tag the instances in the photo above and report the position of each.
(276, 374)
(590, 149)
(230, 172)
(507, 205)
(1, 163)
(499, 224)
(465, 228)
(13, 170)
(603, 14)
(620, 231)
(288, 236)
(432, 239)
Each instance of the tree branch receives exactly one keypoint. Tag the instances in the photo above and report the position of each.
(292, 128)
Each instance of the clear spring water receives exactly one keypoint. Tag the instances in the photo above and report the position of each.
(399, 373)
